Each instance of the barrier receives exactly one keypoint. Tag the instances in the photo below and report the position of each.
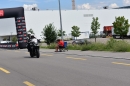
(9, 46)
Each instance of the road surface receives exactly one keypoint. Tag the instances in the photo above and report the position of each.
(55, 69)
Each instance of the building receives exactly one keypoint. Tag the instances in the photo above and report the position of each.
(6, 37)
(81, 18)
(124, 7)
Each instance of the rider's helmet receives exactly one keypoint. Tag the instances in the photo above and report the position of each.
(32, 36)
(29, 34)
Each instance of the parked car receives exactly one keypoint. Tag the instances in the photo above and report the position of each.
(79, 41)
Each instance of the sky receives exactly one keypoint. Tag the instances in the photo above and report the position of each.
(65, 4)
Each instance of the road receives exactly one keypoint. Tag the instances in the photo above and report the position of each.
(55, 69)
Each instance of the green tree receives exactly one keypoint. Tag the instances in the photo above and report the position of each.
(95, 26)
(31, 31)
(59, 33)
(14, 39)
(121, 26)
(49, 32)
(75, 31)
(4, 39)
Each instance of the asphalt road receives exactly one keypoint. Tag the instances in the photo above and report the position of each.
(18, 69)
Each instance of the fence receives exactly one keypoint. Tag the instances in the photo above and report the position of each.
(9, 45)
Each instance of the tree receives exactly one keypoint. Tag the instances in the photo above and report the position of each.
(75, 31)
(49, 32)
(14, 39)
(59, 33)
(31, 31)
(121, 26)
(4, 39)
(95, 26)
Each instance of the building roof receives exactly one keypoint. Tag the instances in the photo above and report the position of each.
(124, 7)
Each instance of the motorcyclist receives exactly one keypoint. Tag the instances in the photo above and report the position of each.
(34, 51)
(31, 37)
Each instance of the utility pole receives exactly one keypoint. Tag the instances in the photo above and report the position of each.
(73, 4)
(60, 21)
(11, 36)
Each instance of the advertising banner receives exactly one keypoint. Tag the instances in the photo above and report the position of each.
(8, 45)
(21, 30)
(18, 14)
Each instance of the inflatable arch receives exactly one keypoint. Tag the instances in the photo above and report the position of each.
(18, 14)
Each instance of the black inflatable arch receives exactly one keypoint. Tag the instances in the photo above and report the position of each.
(18, 14)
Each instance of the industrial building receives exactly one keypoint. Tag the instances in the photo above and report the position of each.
(81, 18)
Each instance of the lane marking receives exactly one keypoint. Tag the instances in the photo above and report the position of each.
(70, 57)
(2, 69)
(28, 83)
(79, 59)
(76, 58)
(121, 63)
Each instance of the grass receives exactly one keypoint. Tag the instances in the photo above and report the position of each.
(111, 45)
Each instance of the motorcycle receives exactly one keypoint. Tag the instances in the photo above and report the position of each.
(34, 48)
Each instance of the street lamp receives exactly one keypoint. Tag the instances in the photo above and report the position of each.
(60, 20)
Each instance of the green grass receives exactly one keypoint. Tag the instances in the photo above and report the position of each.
(111, 45)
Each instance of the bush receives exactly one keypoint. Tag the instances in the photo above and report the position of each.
(74, 47)
(111, 45)
(51, 46)
(94, 46)
(121, 46)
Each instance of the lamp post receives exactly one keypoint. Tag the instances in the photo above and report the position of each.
(11, 36)
(60, 20)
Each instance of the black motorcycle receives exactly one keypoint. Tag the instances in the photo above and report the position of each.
(34, 49)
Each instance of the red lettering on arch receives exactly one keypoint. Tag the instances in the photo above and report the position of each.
(1, 13)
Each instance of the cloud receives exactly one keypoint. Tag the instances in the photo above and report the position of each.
(28, 1)
(126, 2)
(29, 7)
(99, 5)
(113, 5)
(85, 6)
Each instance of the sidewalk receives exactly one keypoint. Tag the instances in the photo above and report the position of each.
(104, 54)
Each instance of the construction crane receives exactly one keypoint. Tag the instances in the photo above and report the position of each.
(73, 4)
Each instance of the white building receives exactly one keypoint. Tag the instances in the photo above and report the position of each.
(6, 37)
(81, 18)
